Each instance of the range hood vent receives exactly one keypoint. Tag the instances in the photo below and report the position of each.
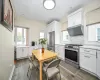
(75, 30)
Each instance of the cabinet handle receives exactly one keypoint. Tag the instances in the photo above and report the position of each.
(87, 56)
(96, 55)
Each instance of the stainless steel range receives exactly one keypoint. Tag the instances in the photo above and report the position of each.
(72, 54)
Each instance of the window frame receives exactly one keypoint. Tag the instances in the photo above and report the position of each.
(40, 33)
(98, 35)
(15, 36)
(62, 36)
(96, 26)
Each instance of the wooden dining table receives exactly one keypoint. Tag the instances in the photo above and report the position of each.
(47, 55)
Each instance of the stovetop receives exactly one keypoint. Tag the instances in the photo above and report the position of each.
(74, 46)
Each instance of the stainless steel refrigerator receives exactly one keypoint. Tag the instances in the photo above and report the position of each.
(51, 44)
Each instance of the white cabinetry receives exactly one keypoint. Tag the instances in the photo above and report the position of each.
(88, 59)
(19, 52)
(22, 52)
(75, 18)
(54, 26)
(60, 50)
(98, 63)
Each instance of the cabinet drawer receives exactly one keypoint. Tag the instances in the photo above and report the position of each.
(87, 51)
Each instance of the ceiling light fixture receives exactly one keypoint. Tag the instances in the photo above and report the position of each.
(49, 4)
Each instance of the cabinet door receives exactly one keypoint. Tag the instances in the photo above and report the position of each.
(98, 63)
(70, 21)
(61, 52)
(25, 51)
(57, 49)
(78, 18)
(30, 51)
(75, 18)
(19, 53)
(88, 62)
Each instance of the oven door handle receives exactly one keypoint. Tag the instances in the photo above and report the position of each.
(71, 49)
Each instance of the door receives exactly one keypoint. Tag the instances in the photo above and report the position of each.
(61, 52)
(19, 52)
(88, 62)
(71, 54)
(98, 63)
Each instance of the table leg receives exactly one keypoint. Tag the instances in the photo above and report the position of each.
(40, 70)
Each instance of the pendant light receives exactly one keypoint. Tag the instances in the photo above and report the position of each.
(49, 4)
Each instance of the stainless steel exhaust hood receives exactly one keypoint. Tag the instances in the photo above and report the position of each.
(75, 30)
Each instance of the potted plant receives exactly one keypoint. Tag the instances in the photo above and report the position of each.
(42, 41)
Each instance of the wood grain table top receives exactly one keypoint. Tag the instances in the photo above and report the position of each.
(43, 56)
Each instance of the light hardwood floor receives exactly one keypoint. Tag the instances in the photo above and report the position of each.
(68, 72)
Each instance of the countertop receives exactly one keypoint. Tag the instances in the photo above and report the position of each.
(22, 46)
(28, 46)
(91, 47)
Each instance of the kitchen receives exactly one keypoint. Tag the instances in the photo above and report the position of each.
(71, 32)
(69, 41)
(81, 47)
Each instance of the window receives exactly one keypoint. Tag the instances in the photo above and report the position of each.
(65, 36)
(21, 36)
(41, 34)
(98, 34)
(94, 32)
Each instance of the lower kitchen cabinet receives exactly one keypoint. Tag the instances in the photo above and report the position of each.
(60, 50)
(22, 52)
(98, 63)
(88, 60)
(18, 52)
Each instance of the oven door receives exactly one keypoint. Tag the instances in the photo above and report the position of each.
(71, 55)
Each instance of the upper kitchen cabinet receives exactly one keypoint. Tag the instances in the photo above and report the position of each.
(93, 16)
(56, 27)
(75, 18)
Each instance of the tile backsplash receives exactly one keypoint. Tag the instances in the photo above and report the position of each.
(77, 40)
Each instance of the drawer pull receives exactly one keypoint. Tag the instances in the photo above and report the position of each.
(87, 56)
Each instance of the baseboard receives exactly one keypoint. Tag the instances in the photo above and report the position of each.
(12, 72)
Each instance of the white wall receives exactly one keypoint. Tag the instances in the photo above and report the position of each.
(34, 27)
(6, 53)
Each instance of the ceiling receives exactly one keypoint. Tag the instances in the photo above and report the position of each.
(33, 9)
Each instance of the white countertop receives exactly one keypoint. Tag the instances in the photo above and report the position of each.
(60, 44)
(22, 46)
(91, 47)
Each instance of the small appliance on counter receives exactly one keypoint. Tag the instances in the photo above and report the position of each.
(33, 43)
